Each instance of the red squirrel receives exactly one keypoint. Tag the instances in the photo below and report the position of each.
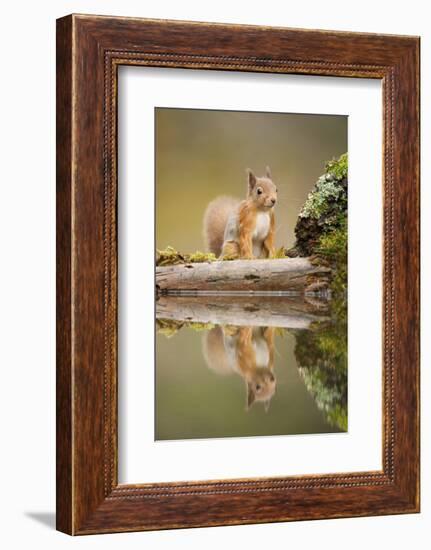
(243, 229)
(247, 351)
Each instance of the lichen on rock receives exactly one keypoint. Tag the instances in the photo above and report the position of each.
(321, 355)
(324, 210)
(321, 228)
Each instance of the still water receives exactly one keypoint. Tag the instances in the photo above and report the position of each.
(252, 367)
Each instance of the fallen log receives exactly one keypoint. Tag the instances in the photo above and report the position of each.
(271, 311)
(297, 275)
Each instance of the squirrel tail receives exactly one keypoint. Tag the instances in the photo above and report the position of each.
(214, 351)
(215, 219)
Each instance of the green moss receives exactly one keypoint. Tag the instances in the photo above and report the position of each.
(321, 355)
(329, 196)
(338, 167)
(200, 257)
(280, 253)
(230, 257)
(321, 228)
(199, 327)
(170, 256)
(332, 247)
(337, 416)
(169, 327)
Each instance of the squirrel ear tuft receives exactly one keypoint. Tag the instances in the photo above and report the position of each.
(251, 180)
(268, 173)
(251, 396)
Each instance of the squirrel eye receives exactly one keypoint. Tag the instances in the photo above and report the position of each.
(259, 191)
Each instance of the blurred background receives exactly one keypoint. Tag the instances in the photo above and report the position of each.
(201, 154)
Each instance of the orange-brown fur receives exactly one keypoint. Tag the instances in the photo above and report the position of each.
(215, 219)
(260, 380)
(261, 198)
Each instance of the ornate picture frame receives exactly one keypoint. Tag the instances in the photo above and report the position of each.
(89, 51)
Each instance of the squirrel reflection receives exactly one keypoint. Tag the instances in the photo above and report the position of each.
(248, 351)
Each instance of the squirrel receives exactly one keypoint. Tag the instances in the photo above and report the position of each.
(247, 351)
(243, 229)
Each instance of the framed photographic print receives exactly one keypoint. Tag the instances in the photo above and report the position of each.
(237, 274)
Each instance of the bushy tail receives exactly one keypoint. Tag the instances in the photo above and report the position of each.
(214, 351)
(215, 218)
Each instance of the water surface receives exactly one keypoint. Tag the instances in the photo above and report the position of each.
(233, 379)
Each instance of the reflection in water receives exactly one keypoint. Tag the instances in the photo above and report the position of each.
(217, 377)
(321, 356)
(247, 351)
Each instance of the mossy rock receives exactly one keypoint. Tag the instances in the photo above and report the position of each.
(321, 228)
(325, 209)
(321, 355)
